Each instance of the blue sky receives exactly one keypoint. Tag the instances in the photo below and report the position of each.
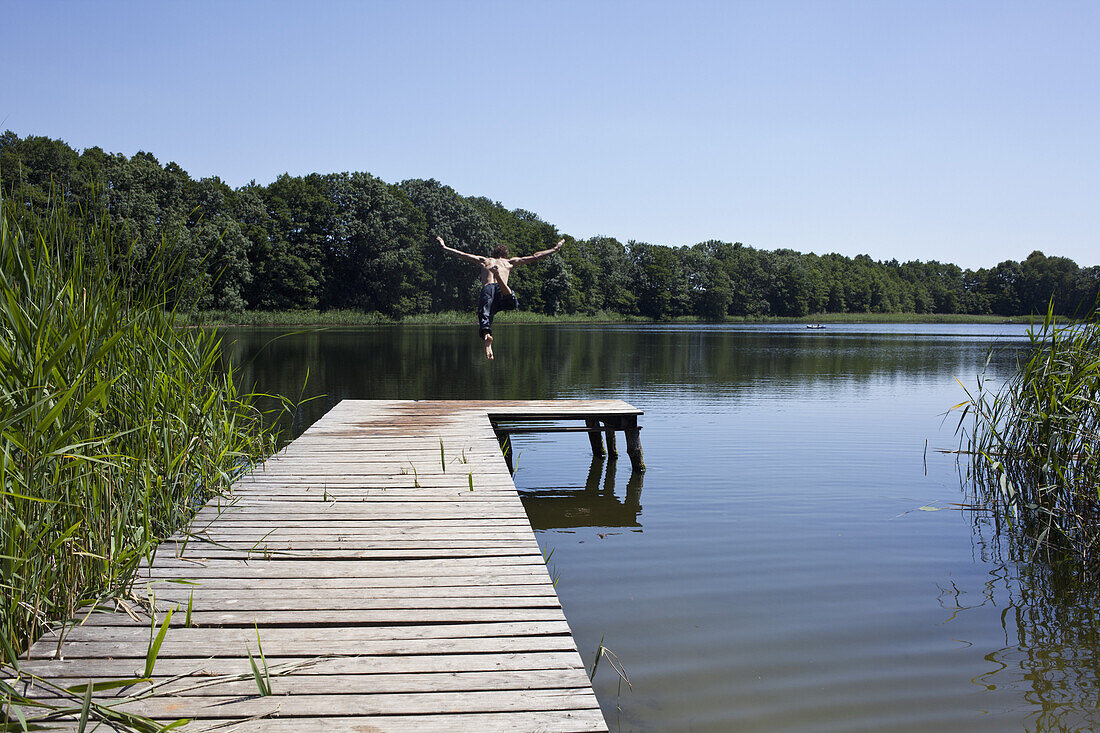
(960, 131)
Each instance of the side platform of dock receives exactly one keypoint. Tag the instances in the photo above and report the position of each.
(382, 564)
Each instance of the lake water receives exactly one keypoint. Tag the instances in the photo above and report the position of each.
(791, 561)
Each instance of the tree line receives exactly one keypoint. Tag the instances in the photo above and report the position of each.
(351, 240)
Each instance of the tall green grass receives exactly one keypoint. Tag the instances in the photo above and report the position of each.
(115, 425)
(1035, 442)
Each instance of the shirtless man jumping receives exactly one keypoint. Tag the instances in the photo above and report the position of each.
(495, 293)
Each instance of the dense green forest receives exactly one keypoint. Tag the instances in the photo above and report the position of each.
(351, 240)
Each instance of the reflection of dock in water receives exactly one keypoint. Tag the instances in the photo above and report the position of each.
(596, 505)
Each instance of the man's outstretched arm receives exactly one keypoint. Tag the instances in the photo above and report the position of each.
(538, 255)
(459, 253)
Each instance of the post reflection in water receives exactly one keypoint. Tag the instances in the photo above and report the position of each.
(596, 505)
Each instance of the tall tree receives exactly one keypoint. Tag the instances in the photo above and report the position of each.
(375, 254)
(302, 218)
(448, 215)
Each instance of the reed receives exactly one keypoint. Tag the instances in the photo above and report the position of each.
(1034, 443)
(115, 425)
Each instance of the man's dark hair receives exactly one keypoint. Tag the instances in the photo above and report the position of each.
(500, 252)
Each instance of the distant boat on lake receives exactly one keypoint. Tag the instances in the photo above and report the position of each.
(815, 325)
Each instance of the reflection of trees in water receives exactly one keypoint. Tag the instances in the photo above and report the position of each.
(596, 505)
(548, 361)
(1052, 636)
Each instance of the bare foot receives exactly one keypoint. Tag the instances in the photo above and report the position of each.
(489, 346)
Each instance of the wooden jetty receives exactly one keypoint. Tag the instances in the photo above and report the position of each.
(385, 567)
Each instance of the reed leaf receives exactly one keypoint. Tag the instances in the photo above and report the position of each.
(155, 644)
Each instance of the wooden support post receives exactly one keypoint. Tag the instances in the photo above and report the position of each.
(633, 443)
(594, 438)
(609, 434)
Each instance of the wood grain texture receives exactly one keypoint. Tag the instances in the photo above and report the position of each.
(386, 594)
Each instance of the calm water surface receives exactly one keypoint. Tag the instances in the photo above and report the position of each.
(791, 560)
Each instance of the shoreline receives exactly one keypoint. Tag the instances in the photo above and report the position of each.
(227, 319)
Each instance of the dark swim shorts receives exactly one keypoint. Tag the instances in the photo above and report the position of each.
(492, 301)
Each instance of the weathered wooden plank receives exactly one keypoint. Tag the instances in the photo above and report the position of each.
(365, 531)
(361, 584)
(421, 486)
(368, 684)
(377, 578)
(422, 482)
(120, 668)
(198, 547)
(265, 550)
(319, 706)
(366, 539)
(351, 452)
(273, 597)
(367, 516)
(364, 459)
(367, 513)
(409, 524)
(362, 526)
(306, 549)
(275, 637)
(348, 509)
(455, 492)
(530, 722)
(564, 721)
(395, 468)
(202, 618)
(329, 568)
(457, 448)
(454, 498)
(370, 515)
(275, 568)
(336, 642)
(248, 536)
(482, 490)
(444, 507)
(454, 432)
(362, 531)
(211, 611)
(363, 539)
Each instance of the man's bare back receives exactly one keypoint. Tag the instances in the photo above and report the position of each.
(495, 271)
